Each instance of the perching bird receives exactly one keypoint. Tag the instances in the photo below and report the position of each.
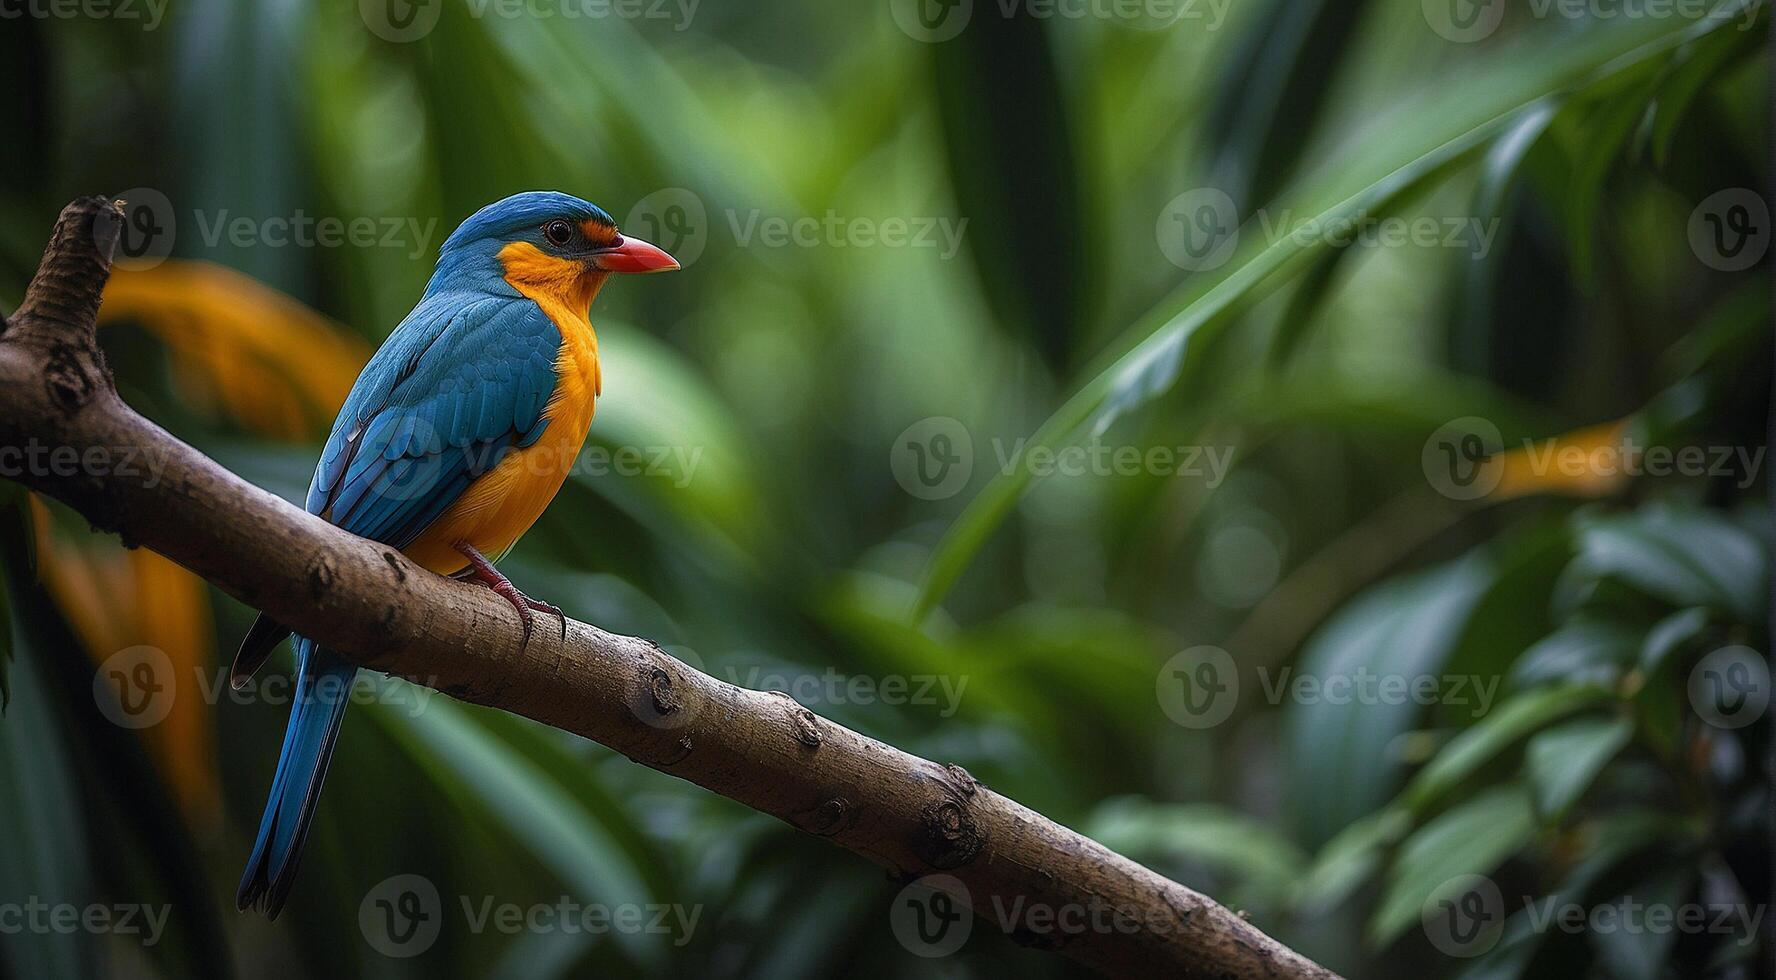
(454, 439)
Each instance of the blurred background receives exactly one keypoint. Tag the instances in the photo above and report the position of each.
(1314, 447)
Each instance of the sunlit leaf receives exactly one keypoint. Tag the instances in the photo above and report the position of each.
(1589, 462)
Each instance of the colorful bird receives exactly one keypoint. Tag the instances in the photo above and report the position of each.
(454, 438)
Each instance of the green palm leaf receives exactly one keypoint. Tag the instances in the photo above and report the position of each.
(1416, 146)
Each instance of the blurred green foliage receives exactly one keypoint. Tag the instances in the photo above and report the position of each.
(778, 547)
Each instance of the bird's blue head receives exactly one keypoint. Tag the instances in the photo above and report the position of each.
(543, 240)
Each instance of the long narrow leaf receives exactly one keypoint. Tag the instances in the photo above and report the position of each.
(1448, 130)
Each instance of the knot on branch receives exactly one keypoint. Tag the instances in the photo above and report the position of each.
(661, 692)
(807, 728)
(952, 838)
(832, 816)
(73, 375)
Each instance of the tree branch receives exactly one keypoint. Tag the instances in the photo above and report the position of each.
(912, 816)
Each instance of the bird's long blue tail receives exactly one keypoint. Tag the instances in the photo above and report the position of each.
(323, 690)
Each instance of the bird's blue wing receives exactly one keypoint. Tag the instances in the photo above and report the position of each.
(461, 382)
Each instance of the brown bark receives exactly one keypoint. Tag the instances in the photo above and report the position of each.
(912, 816)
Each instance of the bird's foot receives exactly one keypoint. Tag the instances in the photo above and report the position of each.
(481, 570)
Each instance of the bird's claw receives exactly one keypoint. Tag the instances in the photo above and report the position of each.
(553, 610)
(482, 570)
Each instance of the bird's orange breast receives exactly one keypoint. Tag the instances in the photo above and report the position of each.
(496, 509)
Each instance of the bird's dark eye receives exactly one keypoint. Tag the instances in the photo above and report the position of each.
(558, 232)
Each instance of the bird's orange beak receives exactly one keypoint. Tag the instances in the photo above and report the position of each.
(635, 256)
